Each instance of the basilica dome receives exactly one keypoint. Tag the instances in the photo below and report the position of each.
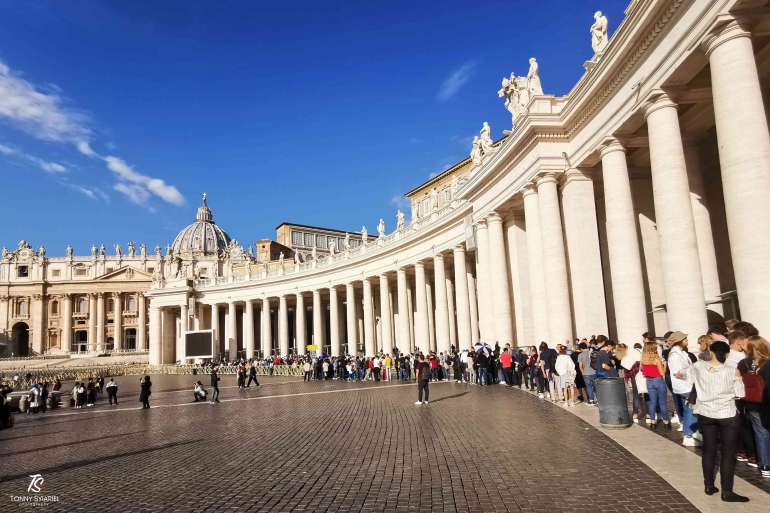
(203, 236)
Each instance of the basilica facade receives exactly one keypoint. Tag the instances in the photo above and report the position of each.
(638, 202)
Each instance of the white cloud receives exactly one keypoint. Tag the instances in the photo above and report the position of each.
(455, 81)
(39, 114)
(85, 149)
(141, 186)
(434, 174)
(7, 150)
(51, 167)
(92, 192)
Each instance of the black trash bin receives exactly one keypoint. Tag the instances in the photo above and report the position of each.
(613, 404)
(195, 372)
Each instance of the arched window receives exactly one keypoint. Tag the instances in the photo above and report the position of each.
(54, 308)
(131, 304)
(82, 305)
(21, 307)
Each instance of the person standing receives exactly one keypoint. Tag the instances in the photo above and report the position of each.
(482, 360)
(424, 376)
(717, 387)
(80, 395)
(308, 371)
(144, 395)
(214, 385)
(565, 369)
(654, 369)
(506, 359)
(34, 399)
(91, 391)
(112, 391)
(678, 360)
(757, 362)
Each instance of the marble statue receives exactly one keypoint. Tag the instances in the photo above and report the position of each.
(118, 250)
(332, 247)
(296, 258)
(157, 249)
(131, 249)
(434, 199)
(364, 235)
(156, 276)
(102, 250)
(41, 251)
(486, 140)
(196, 272)
(251, 252)
(476, 154)
(347, 241)
(93, 251)
(69, 251)
(599, 39)
(5, 253)
(314, 253)
(381, 228)
(415, 210)
(517, 91)
(455, 186)
(264, 262)
(280, 259)
(533, 78)
(143, 251)
(399, 221)
(169, 251)
(248, 268)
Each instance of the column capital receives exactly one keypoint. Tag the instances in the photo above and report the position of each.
(549, 177)
(494, 217)
(529, 189)
(383, 276)
(733, 28)
(99, 295)
(609, 145)
(116, 295)
(459, 249)
(481, 224)
(401, 270)
(438, 256)
(658, 100)
(577, 175)
(65, 295)
(421, 264)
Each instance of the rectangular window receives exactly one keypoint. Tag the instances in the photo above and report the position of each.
(341, 244)
(447, 195)
(320, 241)
(296, 238)
(110, 269)
(354, 243)
(150, 270)
(81, 272)
(309, 240)
(22, 271)
(55, 273)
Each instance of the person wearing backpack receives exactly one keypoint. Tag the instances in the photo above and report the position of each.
(755, 371)
(546, 364)
(424, 376)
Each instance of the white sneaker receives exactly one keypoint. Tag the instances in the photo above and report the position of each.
(540, 396)
(680, 428)
(636, 420)
(425, 402)
(649, 420)
(418, 403)
(691, 442)
(697, 436)
(675, 419)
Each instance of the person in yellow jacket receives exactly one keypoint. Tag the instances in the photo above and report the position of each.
(388, 363)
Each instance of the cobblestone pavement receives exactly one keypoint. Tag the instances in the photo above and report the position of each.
(326, 446)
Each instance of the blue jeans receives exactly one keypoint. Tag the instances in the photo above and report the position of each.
(590, 385)
(686, 416)
(483, 376)
(361, 374)
(214, 394)
(656, 387)
(761, 425)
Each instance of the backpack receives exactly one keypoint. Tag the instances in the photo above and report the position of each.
(427, 372)
(552, 362)
(755, 387)
(593, 358)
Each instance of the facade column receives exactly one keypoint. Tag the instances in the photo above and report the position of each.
(248, 329)
(472, 301)
(682, 280)
(483, 283)
(156, 337)
(464, 340)
(421, 336)
(334, 322)
(450, 302)
(267, 329)
(117, 322)
(283, 326)
(319, 333)
(431, 314)
(232, 331)
(184, 324)
(410, 311)
(350, 304)
(404, 337)
(39, 322)
(385, 317)
(301, 329)
(141, 332)
(369, 343)
(554, 262)
(585, 261)
(442, 310)
(535, 261)
(744, 157)
(92, 323)
(623, 244)
(66, 330)
(517, 254)
(499, 281)
(169, 337)
(100, 322)
(216, 355)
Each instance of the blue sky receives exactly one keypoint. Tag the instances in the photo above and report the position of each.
(116, 116)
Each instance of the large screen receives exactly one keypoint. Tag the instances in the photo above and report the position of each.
(199, 344)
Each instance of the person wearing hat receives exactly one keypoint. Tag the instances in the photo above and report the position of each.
(678, 360)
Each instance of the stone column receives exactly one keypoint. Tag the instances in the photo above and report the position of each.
(184, 322)
(522, 307)
(267, 329)
(92, 323)
(283, 326)
(66, 330)
(450, 301)
(369, 342)
(248, 329)
(232, 331)
(702, 220)
(169, 335)
(483, 283)
(156, 336)
(744, 157)
(301, 329)
(141, 331)
(385, 317)
(403, 311)
(319, 332)
(500, 283)
(535, 262)
(464, 339)
(100, 322)
(118, 321)
(442, 309)
(431, 314)
(410, 307)
(217, 335)
(585, 259)
(350, 304)
(472, 302)
(422, 336)
(623, 244)
(682, 280)
(39, 322)
(334, 320)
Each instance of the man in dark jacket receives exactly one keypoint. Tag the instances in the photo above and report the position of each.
(424, 374)
(214, 385)
(253, 376)
(483, 362)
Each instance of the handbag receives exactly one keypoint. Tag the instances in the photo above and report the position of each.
(755, 387)
(692, 398)
(641, 383)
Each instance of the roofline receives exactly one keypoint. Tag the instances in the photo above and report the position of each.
(318, 228)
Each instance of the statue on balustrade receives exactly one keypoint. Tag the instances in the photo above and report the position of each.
(280, 259)
(599, 40)
(41, 251)
(381, 228)
(486, 140)
(118, 250)
(415, 210)
(69, 251)
(131, 250)
(347, 241)
(102, 251)
(143, 251)
(314, 254)
(364, 235)
(93, 251)
(434, 199)
(476, 154)
(399, 221)
(517, 91)
(332, 247)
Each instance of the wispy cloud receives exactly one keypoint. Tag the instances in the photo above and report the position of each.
(454, 82)
(91, 192)
(434, 174)
(51, 167)
(140, 186)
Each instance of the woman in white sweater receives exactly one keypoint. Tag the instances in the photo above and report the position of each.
(565, 367)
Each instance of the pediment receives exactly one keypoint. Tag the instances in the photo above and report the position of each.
(127, 273)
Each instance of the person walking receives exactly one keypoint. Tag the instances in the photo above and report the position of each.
(144, 395)
(424, 376)
(112, 391)
(654, 369)
(253, 377)
(214, 385)
(717, 387)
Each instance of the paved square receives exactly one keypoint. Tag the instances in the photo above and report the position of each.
(326, 446)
